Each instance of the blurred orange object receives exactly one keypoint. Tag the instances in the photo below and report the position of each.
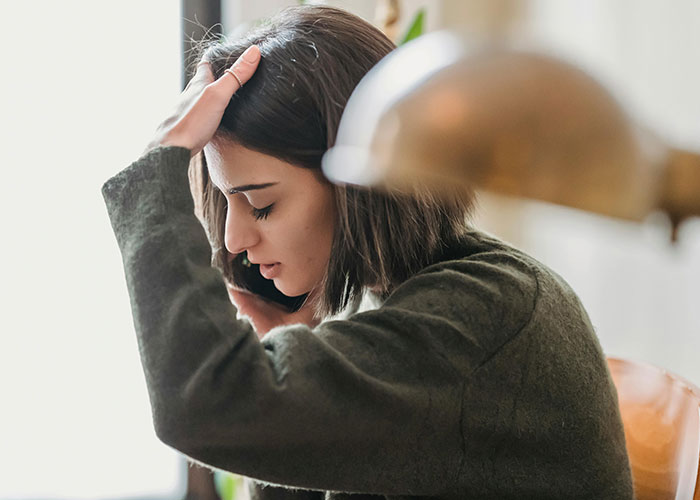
(441, 109)
(661, 415)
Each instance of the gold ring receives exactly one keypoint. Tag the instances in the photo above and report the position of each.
(240, 83)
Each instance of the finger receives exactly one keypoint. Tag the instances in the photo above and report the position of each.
(203, 74)
(241, 71)
(237, 296)
(244, 300)
(204, 69)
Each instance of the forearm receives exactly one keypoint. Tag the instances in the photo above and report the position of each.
(184, 321)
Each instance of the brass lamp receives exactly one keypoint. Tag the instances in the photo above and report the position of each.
(514, 122)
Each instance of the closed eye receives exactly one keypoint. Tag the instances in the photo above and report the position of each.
(262, 213)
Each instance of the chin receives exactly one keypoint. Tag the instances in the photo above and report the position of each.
(289, 289)
(285, 288)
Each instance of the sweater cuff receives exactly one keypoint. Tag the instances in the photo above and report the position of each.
(168, 164)
(162, 172)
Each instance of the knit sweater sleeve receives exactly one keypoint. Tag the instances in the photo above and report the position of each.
(371, 404)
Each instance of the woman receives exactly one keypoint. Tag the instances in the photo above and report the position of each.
(479, 376)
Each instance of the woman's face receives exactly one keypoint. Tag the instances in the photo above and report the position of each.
(281, 214)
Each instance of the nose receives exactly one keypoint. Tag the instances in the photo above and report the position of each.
(240, 232)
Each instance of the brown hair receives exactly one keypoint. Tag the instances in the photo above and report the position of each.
(312, 59)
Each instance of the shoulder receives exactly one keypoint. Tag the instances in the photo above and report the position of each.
(482, 278)
(483, 293)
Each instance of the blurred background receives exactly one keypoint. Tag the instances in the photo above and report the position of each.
(85, 84)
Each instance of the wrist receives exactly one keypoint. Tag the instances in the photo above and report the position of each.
(154, 144)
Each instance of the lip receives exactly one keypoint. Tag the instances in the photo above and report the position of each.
(270, 271)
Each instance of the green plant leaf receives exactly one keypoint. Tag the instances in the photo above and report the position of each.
(416, 29)
(225, 484)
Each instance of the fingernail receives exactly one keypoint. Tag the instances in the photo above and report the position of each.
(251, 54)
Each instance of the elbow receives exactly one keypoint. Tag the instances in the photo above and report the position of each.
(183, 430)
(169, 429)
(182, 417)
(177, 429)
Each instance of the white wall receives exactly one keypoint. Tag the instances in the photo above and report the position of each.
(84, 84)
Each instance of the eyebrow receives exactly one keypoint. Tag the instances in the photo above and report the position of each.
(249, 187)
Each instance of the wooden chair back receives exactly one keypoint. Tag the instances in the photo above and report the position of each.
(661, 415)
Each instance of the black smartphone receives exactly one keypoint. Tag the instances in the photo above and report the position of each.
(247, 276)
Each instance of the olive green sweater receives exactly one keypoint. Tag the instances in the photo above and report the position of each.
(479, 377)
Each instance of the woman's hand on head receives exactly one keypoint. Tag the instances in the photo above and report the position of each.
(265, 315)
(201, 106)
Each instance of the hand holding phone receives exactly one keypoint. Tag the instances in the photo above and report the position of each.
(259, 300)
(266, 315)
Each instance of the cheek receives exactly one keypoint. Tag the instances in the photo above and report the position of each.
(307, 236)
(320, 225)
